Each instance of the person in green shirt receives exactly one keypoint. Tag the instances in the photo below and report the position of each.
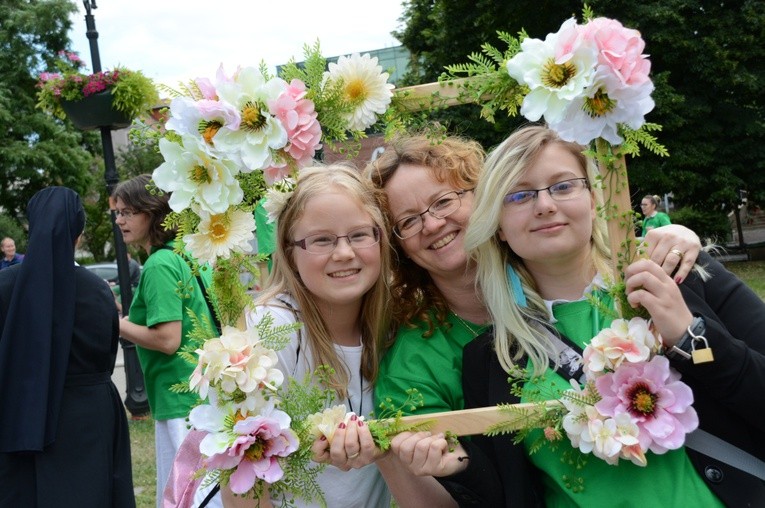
(535, 211)
(652, 218)
(159, 322)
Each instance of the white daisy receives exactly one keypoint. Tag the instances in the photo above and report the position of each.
(221, 234)
(365, 86)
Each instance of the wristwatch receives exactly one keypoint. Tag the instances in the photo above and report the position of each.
(684, 347)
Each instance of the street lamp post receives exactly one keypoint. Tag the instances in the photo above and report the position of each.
(136, 400)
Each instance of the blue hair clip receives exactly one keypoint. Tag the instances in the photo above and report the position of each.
(515, 286)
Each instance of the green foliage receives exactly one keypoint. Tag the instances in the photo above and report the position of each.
(389, 421)
(712, 224)
(10, 227)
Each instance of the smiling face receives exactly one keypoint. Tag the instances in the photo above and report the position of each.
(544, 230)
(342, 277)
(439, 247)
(135, 230)
(8, 248)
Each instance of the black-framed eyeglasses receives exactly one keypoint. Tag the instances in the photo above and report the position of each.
(442, 207)
(559, 191)
(325, 243)
(125, 214)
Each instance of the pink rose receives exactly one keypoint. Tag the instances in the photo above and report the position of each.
(620, 49)
(297, 115)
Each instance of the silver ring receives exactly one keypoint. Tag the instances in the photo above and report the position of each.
(677, 252)
(350, 457)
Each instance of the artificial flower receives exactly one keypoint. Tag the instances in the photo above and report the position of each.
(655, 399)
(259, 132)
(221, 234)
(620, 49)
(556, 70)
(191, 174)
(325, 423)
(201, 118)
(277, 198)
(630, 341)
(299, 118)
(365, 87)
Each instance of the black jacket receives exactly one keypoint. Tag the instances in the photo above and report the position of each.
(728, 395)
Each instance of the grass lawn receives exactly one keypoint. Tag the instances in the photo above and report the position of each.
(142, 431)
(144, 470)
(752, 273)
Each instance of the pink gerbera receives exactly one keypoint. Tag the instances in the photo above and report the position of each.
(656, 400)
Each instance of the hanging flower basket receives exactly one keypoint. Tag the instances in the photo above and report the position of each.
(96, 111)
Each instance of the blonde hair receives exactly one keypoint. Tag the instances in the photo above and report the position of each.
(519, 330)
(284, 276)
(453, 160)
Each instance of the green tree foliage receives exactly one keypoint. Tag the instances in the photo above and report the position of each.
(708, 65)
(36, 150)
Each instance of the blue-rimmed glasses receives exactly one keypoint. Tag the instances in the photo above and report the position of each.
(442, 207)
(560, 191)
(325, 243)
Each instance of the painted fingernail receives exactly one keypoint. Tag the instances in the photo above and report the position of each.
(678, 280)
(361, 423)
(323, 438)
(341, 426)
(353, 418)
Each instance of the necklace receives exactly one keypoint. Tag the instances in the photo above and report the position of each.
(469, 328)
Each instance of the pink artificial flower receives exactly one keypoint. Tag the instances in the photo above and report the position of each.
(620, 49)
(299, 118)
(656, 400)
(276, 172)
(254, 453)
(207, 88)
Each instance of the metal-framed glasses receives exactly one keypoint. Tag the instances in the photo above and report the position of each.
(125, 214)
(442, 207)
(325, 243)
(560, 191)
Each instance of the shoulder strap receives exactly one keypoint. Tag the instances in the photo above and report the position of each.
(299, 331)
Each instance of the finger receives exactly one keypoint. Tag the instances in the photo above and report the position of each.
(351, 440)
(367, 443)
(320, 450)
(337, 448)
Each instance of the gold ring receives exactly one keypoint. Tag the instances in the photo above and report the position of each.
(350, 457)
(677, 253)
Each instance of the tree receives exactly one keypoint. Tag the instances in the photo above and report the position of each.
(708, 65)
(36, 150)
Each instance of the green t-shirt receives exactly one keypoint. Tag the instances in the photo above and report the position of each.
(158, 300)
(667, 480)
(657, 221)
(431, 365)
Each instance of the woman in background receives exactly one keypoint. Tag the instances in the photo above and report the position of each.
(652, 218)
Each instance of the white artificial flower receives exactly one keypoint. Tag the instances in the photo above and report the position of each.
(191, 174)
(364, 85)
(219, 235)
(203, 118)
(325, 423)
(556, 70)
(630, 341)
(607, 104)
(277, 198)
(259, 131)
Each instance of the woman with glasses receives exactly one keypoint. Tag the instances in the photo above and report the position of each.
(159, 322)
(330, 273)
(536, 213)
(437, 309)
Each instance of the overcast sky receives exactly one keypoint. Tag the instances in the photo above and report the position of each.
(178, 40)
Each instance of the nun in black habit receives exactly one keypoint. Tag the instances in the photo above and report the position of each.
(63, 430)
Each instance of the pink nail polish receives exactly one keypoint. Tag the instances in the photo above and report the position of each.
(361, 423)
(353, 418)
(341, 426)
(678, 280)
(323, 438)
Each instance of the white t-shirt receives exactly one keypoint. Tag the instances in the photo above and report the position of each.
(357, 488)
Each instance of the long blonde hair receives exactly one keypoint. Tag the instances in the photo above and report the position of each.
(284, 276)
(519, 330)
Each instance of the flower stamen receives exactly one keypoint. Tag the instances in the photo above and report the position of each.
(556, 75)
(599, 105)
(252, 118)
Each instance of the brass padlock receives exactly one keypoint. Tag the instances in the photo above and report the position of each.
(701, 355)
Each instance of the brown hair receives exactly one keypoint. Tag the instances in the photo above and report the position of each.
(453, 160)
(136, 196)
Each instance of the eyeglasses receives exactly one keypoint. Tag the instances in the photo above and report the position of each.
(440, 208)
(325, 243)
(560, 191)
(125, 214)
